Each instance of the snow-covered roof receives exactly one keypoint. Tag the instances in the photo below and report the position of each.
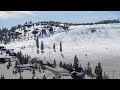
(88, 77)
(65, 74)
(78, 73)
(27, 65)
(51, 62)
(66, 77)
(62, 24)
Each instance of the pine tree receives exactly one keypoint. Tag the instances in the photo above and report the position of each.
(54, 62)
(44, 77)
(89, 69)
(33, 71)
(39, 69)
(68, 67)
(98, 71)
(60, 46)
(2, 77)
(64, 65)
(71, 68)
(9, 63)
(0, 35)
(54, 47)
(42, 45)
(85, 70)
(20, 56)
(37, 43)
(21, 77)
(19, 26)
(53, 77)
(36, 65)
(76, 62)
(61, 64)
(7, 52)
(28, 36)
(27, 59)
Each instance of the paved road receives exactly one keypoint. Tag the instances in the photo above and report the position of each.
(56, 73)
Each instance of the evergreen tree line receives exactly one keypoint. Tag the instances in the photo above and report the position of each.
(6, 35)
(42, 45)
(9, 35)
(98, 72)
(23, 59)
(72, 67)
(108, 21)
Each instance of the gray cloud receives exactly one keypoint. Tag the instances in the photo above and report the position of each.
(13, 14)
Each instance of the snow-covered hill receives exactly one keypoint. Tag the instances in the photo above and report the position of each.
(100, 42)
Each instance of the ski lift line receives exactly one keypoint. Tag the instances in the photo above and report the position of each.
(75, 44)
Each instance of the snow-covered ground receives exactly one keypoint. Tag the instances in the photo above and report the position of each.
(102, 46)
(26, 74)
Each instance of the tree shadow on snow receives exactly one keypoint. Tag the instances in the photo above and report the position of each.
(42, 52)
(62, 55)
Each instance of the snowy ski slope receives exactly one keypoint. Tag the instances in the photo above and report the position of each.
(102, 46)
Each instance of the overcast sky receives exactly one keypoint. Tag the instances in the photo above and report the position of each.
(10, 18)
